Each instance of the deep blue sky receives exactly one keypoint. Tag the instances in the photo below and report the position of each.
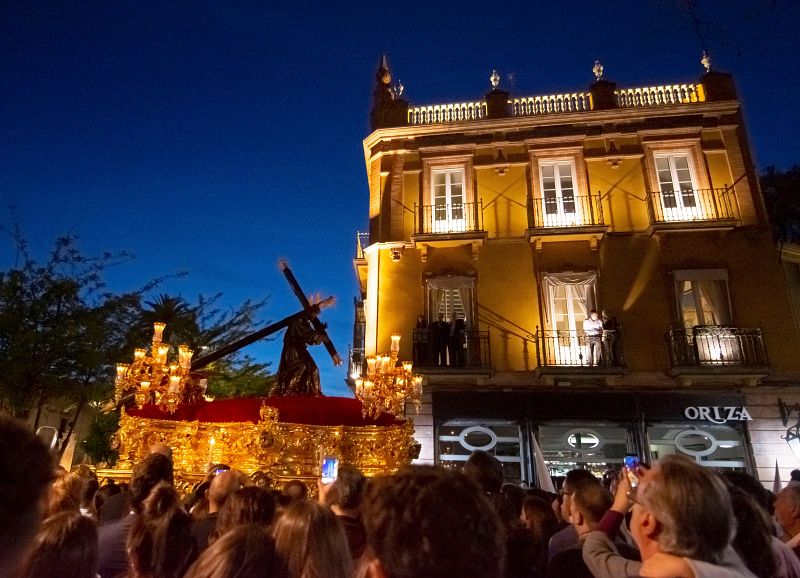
(218, 137)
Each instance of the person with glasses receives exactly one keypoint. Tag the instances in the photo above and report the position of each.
(681, 520)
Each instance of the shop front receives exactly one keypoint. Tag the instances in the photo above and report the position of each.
(591, 430)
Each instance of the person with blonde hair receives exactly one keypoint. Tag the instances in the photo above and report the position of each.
(311, 543)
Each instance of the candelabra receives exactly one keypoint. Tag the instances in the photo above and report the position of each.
(151, 378)
(387, 386)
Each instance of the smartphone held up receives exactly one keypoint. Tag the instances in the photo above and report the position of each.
(632, 463)
(330, 469)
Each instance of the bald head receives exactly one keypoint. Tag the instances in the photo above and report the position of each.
(161, 448)
(222, 487)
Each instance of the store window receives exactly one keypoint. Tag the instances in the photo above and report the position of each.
(457, 439)
(716, 446)
(594, 446)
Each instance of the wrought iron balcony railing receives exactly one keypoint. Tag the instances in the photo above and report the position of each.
(714, 346)
(471, 351)
(574, 348)
(565, 211)
(692, 205)
(449, 218)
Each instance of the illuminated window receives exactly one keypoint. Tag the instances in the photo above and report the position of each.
(447, 194)
(559, 206)
(560, 187)
(568, 299)
(678, 186)
(452, 298)
(702, 297)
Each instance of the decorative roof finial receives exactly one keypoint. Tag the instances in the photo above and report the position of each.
(494, 79)
(383, 75)
(598, 70)
(706, 61)
(398, 89)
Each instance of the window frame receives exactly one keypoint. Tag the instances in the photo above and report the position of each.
(691, 148)
(462, 163)
(580, 183)
(679, 276)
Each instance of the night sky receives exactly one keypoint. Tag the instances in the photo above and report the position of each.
(216, 138)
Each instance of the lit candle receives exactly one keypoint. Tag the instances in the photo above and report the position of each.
(185, 356)
(145, 385)
(407, 366)
(162, 350)
(158, 331)
(173, 368)
(372, 362)
(387, 364)
(122, 369)
(395, 342)
(174, 383)
(139, 353)
(359, 385)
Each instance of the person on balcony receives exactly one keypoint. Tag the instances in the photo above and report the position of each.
(610, 337)
(441, 340)
(421, 342)
(593, 330)
(458, 342)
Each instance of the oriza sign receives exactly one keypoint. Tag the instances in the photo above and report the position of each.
(717, 414)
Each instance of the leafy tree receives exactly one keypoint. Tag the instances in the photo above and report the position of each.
(782, 198)
(58, 327)
(97, 443)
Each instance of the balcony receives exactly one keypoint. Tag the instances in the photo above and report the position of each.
(570, 348)
(690, 209)
(473, 353)
(700, 352)
(571, 102)
(448, 225)
(573, 218)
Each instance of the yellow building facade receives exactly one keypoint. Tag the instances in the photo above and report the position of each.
(497, 226)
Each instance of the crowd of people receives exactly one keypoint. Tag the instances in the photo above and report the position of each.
(680, 520)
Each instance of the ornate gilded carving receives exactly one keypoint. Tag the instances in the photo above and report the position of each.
(269, 451)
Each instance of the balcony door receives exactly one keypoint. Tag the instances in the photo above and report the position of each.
(447, 194)
(569, 298)
(559, 204)
(676, 181)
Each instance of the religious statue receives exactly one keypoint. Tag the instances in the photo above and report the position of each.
(297, 372)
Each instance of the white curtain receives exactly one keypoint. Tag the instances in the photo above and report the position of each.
(584, 283)
(440, 287)
(713, 301)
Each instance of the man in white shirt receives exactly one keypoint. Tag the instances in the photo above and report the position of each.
(593, 330)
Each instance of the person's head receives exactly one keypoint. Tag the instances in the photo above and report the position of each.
(348, 488)
(294, 490)
(589, 503)
(222, 487)
(572, 480)
(244, 552)
(160, 540)
(485, 470)
(794, 475)
(161, 448)
(420, 319)
(514, 497)
(251, 505)
(753, 533)
(604, 315)
(26, 470)
(409, 520)
(751, 486)
(146, 474)
(66, 541)
(65, 494)
(682, 508)
(310, 541)
(539, 518)
(593, 314)
(89, 491)
(787, 509)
